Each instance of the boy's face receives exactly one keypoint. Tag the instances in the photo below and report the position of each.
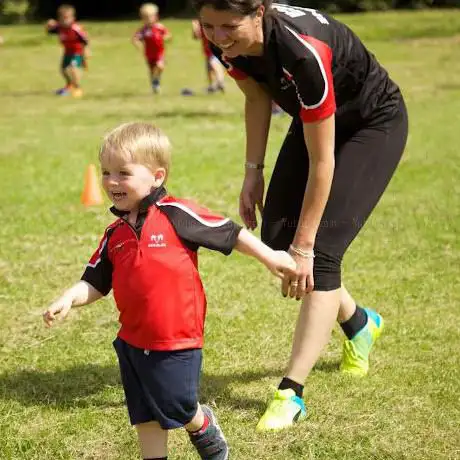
(126, 184)
(66, 18)
(149, 17)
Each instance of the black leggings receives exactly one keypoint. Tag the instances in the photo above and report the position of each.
(365, 161)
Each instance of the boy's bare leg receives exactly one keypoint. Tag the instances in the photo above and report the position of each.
(75, 76)
(156, 72)
(153, 440)
(219, 74)
(197, 422)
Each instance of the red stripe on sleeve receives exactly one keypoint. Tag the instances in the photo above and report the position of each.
(236, 74)
(328, 106)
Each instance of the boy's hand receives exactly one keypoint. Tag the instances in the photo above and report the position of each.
(57, 310)
(51, 24)
(283, 264)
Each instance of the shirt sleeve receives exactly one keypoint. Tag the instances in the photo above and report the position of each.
(98, 271)
(165, 30)
(200, 227)
(82, 35)
(310, 71)
(139, 34)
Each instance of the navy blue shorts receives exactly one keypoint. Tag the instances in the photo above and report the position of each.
(160, 386)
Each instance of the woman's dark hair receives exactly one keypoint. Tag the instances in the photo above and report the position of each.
(243, 7)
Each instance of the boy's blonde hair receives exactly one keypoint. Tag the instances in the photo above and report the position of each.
(137, 142)
(148, 8)
(66, 8)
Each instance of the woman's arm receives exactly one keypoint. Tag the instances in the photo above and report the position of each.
(319, 139)
(257, 117)
(257, 112)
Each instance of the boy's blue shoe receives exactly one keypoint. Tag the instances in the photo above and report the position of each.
(283, 411)
(211, 445)
(355, 358)
(62, 91)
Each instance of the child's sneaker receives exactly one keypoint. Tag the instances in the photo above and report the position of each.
(63, 91)
(211, 445)
(355, 359)
(156, 89)
(285, 409)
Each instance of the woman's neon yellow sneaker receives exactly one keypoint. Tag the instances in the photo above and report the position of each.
(355, 358)
(285, 409)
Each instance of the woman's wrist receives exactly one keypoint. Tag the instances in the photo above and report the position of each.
(253, 172)
(304, 253)
(251, 165)
(304, 244)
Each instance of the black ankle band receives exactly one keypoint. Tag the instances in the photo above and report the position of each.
(287, 384)
(355, 324)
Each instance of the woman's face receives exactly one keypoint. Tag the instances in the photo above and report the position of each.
(233, 33)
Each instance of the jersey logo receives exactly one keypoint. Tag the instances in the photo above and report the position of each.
(157, 241)
(285, 83)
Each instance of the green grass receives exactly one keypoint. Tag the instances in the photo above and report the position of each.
(60, 396)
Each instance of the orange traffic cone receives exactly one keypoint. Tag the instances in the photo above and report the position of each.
(91, 195)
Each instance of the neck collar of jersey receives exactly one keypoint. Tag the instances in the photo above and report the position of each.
(154, 196)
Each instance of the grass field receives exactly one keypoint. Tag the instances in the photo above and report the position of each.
(60, 396)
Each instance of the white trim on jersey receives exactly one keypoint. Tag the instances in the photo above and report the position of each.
(321, 67)
(195, 215)
(100, 252)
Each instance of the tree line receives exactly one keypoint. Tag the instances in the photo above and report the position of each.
(113, 9)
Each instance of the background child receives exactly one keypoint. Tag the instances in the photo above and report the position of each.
(151, 38)
(75, 41)
(148, 256)
(214, 69)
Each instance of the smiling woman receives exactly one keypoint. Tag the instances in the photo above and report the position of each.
(235, 30)
(347, 136)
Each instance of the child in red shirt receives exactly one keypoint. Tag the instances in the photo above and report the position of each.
(151, 38)
(148, 256)
(75, 42)
(214, 69)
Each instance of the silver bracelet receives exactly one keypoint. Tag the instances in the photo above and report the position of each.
(250, 165)
(302, 253)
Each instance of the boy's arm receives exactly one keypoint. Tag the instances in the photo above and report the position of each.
(197, 226)
(82, 34)
(95, 282)
(278, 262)
(81, 293)
(136, 40)
(51, 26)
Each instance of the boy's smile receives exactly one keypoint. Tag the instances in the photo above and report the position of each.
(126, 183)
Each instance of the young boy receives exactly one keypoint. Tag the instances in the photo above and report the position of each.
(214, 69)
(151, 37)
(75, 41)
(148, 256)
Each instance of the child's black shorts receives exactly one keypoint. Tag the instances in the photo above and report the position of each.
(159, 386)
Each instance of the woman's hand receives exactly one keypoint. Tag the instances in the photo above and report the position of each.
(301, 284)
(252, 195)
